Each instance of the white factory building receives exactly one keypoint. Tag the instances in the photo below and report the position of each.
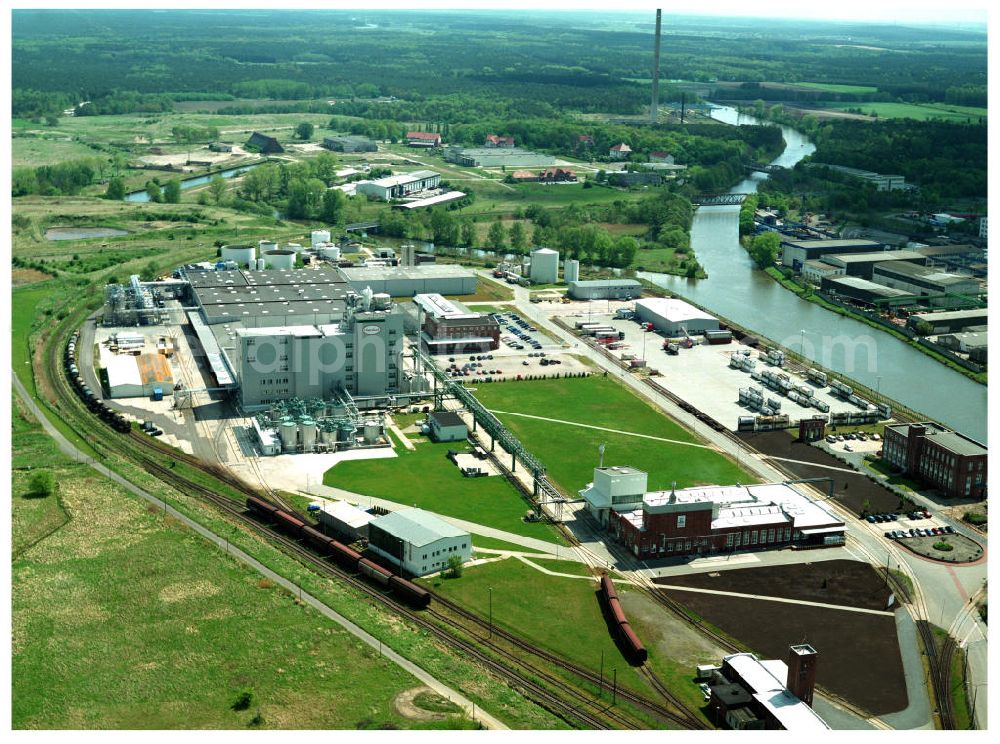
(136, 376)
(421, 541)
(407, 281)
(673, 317)
(396, 187)
(544, 266)
(344, 520)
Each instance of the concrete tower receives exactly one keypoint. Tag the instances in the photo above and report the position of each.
(654, 107)
(802, 672)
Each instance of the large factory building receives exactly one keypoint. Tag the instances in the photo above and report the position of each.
(674, 317)
(705, 519)
(407, 281)
(449, 327)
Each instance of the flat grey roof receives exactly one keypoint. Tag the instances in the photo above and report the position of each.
(447, 418)
(430, 271)
(878, 256)
(857, 282)
(417, 526)
(909, 270)
(832, 244)
(952, 315)
(243, 310)
(950, 440)
(276, 277)
(199, 278)
(584, 283)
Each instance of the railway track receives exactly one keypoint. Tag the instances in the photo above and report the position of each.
(548, 690)
(939, 661)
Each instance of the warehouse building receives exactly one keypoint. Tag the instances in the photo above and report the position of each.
(944, 459)
(880, 181)
(864, 291)
(749, 693)
(350, 143)
(449, 327)
(423, 139)
(419, 542)
(815, 270)
(346, 521)
(673, 317)
(794, 253)
(602, 289)
(952, 320)
(396, 187)
(923, 281)
(544, 266)
(447, 426)
(862, 264)
(634, 178)
(139, 376)
(968, 343)
(263, 143)
(409, 281)
(482, 157)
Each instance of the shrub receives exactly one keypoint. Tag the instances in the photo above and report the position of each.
(42, 483)
(974, 517)
(243, 700)
(454, 567)
(943, 546)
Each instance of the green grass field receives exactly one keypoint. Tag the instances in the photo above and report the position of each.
(124, 620)
(35, 151)
(837, 88)
(427, 479)
(919, 111)
(570, 452)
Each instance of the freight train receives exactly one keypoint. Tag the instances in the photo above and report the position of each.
(341, 554)
(93, 403)
(630, 642)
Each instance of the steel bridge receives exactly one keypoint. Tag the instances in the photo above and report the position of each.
(715, 200)
(358, 226)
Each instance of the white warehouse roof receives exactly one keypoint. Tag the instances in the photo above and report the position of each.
(766, 680)
(417, 526)
(674, 310)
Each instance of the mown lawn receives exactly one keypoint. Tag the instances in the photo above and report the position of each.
(122, 619)
(918, 111)
(427, 479)
(570, 452)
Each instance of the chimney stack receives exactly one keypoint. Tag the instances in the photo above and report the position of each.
(802, 672)
(654, 108)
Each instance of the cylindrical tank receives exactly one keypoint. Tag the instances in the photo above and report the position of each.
(329, 251)
(345, 432)
(288, 430)
(381, 301)
(297, 247)
(308, 434)
(280, 259)
(266, 245)
(319, 236)
(571, 270)
(327, 434)
(241, 254)
(371, 431)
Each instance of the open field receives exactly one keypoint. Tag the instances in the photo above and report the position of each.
(35, 151)
(427, 479)
(836, 87)
(859, 654)
(570, 452)
(919, 111)
(152, 628)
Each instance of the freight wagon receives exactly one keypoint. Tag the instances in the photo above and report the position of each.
(634, 650)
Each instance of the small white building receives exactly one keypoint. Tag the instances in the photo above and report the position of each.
(396, 187)
(544, 266)
(447, 426)
(673, 317)
(619, 488)
(345, 520)
(418, 540)
(621, 151)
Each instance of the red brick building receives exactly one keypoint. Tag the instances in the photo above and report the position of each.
(944, 459)
(494, 140)
(554, 175)
(423, 139)
(451, 328)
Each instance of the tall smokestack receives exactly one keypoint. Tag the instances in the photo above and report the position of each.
(654, 108)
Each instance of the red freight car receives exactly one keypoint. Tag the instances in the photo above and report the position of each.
(344, 555)
(293, 525)
(410, 592)
(374, 572)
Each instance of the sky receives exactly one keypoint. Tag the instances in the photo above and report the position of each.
(881, 11)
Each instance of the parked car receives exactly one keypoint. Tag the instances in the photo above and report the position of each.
(949, 529)
(870, 519)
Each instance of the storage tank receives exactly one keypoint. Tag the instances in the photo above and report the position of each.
(571, 270)
(345, 433)
(329, 251)
(308, 434)
(372, 431)
(544, 266)
(381, 301)
(288, 430)
(296, 247)
(280, 259)
(319, 236)
(241, 254)
(264, 246)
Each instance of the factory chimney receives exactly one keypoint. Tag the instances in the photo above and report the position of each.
(654, 108)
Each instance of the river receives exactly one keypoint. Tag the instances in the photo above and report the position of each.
(187, 183)
(750, 298)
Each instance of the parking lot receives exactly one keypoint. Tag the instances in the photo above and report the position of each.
(859, 442)
(919, 523)
(700, 375)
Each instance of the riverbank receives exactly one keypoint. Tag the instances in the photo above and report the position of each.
(807, 293)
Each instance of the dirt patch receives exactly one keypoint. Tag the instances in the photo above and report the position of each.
(666, 635)
(406, 706)
(188, 590)
(847, 583)
(21, 277)
(859, 656)
(850, 489)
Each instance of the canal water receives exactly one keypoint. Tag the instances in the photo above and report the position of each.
(188, 183)
(750, 298)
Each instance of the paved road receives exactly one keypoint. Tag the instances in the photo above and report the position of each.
(439, 687)
(602, 428)
(765, 598)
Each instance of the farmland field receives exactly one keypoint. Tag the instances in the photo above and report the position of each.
(919, 111)
(837, 88)
(570, 452)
